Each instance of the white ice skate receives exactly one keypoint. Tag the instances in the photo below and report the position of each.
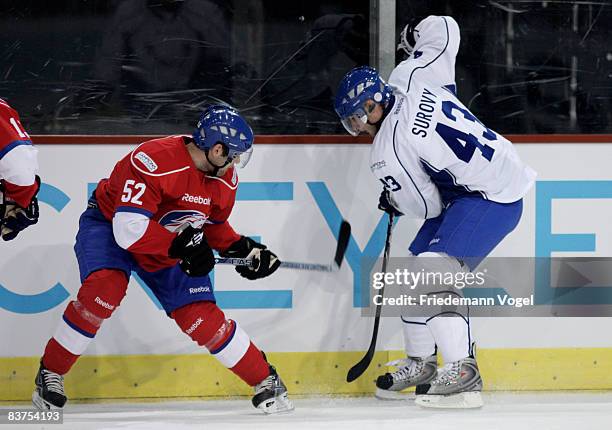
(410, 372)
(456, 386)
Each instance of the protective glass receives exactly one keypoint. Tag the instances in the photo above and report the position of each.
(243, 157)
(351, 122)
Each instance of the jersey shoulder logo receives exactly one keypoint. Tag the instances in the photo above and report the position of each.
(146, 161)
(398, 106)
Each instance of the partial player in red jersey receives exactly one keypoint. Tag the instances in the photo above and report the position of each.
(161, 212)
(19, 183)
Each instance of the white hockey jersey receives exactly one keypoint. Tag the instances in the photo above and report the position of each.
(433, 56)
(430, 149)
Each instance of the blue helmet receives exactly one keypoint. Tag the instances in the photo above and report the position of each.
(223, 124)
(360, 84)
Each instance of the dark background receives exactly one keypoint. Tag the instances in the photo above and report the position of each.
(149, 66)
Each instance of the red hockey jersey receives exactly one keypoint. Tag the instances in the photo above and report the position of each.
(157, 189)
(18, 158)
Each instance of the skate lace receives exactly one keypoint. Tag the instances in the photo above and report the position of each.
(267, 384)
(53, 382)
(406, 368)
(448, 374)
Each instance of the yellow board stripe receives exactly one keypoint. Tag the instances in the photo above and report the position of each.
(159, 376)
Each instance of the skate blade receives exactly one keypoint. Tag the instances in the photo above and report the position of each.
(40, 403)
(277, 405)
(465, 400)
(393, 395)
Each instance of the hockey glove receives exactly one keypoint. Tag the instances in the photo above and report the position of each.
(385, 204)
(409, 36)
(265, 262)
(191, 247)
(14, 218)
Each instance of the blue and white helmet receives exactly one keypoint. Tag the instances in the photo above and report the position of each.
(360, 84)
(223, 124)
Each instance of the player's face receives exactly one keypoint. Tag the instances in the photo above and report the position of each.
(364, 120)
(373, 110)
(233, 162)
(217, 156)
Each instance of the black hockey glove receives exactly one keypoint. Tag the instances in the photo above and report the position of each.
(191, 247)
(14, 218)
(384, 204)
(265, 262)
(409, 36)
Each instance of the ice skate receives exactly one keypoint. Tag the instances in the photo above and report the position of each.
(271, 395)
(49, 392)
(456, 386)
(410, 372)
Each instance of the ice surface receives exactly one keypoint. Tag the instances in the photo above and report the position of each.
(541, 411)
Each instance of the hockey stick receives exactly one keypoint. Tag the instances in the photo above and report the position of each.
(2, 205)
(343, 238)
(357, 370)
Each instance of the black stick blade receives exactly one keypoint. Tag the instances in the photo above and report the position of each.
(357, 370)
(343, 239)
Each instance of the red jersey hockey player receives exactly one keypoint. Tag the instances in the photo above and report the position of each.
(18, 181)
(160, 213)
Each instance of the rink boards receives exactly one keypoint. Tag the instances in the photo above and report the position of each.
(291, 196)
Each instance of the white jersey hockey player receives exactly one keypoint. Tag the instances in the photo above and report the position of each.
(437, 162)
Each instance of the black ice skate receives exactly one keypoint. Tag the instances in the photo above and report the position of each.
(49, 392)
(271, 395)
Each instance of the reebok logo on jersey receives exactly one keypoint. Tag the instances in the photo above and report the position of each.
(102, 303)
(417, 54)
(378, 165)
(147, 161)
(434, 240)
(399, 106)
(195, 325)
(196, 199)
(197, 290)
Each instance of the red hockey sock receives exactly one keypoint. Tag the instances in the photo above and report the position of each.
(252, 368)
(100, 294)
(57, 358)
(205, 323)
